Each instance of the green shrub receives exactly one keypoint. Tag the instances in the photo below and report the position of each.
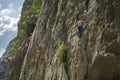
(34, 9)
(30, 36)
(17, 42)
(13, 49)
(26, 14)
(24, 23)
(36, 6)
(61, 50)
(21, 33)
(15, 45)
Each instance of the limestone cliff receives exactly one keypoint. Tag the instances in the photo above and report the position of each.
(56, 53)
(95, 56)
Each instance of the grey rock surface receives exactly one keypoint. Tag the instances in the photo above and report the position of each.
(57, 20)
(94, 56)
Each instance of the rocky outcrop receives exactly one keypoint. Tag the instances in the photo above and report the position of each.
(56, 53)
(105, 68)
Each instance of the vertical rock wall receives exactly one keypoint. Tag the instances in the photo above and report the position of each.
(99, 41)
(56, 53)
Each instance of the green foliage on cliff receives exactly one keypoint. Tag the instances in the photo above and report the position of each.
(21, 33)
(15, 45)
(30, 36)
(34, 9)
(36, 6)
(31, 10)
(61, 50)
(24, 23)
(17, 42)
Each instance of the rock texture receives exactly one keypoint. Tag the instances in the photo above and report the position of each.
(56, 53)
(5, 62)
(100, 38)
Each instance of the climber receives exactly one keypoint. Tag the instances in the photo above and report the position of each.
(79, 25)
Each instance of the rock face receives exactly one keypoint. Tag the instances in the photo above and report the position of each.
(105, 68)
(3, 69)
(100, 38)
(5, 62)
(56, 53)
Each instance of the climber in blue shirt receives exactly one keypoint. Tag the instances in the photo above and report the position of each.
(79, 25)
